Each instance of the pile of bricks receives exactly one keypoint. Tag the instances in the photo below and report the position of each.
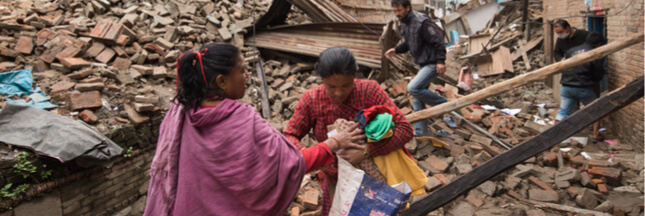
(114, 54)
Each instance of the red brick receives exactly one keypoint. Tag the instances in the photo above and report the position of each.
(611, 174)
(544, 195)
(40, 66)
(81, 74)
(444, 181)
(573, 191)
(474, 200)
(432, 183)
(457, 150)
(95, 49)
(539, 183)
(68, 52)
(435, 163)
(602, 188)
(89, 116)
(85, 100)
(122, 120)
(100, 29)
(114, 32)
(596, 182)
(92, 80)
(119, 51)
(105, 56)
(159, 72)
(155, 48)
(144, 107)
(85, 87)
(50, 55)
(143, 69)
(121, 64)
(61, 86)
(25, 45)
(551, 159)
(8, 52)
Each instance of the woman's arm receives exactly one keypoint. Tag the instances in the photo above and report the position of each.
(402, 130)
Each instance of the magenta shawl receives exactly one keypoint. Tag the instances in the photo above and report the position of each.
(225, 160)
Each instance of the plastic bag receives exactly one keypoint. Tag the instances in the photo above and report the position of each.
(359, 194)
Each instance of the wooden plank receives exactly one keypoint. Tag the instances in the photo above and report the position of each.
(387, 41)
(566, 128)
(536, 75)
(529, 46)
(527, 61)
(266, 108)
(502, 61)
(476, 42)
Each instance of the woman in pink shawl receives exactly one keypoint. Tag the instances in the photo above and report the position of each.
(217, 156)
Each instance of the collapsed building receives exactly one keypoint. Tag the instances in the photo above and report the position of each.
(111, 64)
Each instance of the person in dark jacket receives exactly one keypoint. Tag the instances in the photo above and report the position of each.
(425, 43)
(568, 37)
(577, 84)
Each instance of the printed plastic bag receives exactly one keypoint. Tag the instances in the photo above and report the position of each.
(359, 194)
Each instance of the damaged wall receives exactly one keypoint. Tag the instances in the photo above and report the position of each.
(623, 66)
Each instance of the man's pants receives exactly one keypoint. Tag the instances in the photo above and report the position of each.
(569, 97)
(421, 96)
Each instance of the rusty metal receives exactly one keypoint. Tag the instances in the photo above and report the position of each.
(312, 39)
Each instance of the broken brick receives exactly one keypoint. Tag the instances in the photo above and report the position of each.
(113, 87)
(105, 56)
(432, 183)
(74, 63)
(142, 69)
(406, 110)
(544, 195)
(84, 87)
(88, 116)
(474, 200)
(94, 50)
(146, 99)
(444, 181)
(539, 183)
(121, 64)
(134, 116)
(602, 188)
(159, 72)
(535, 212)
(61, 86)
(68, 52)
(587, 199)
(81, 74)
(573, 192)
(480, 139)
(434, 164)
(144, 107)
(611, 174)
(25, 45)
(85, 100)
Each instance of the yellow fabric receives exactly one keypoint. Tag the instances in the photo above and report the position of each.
(388, 134)
(398, 167)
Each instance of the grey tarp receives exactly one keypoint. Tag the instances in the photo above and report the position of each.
(55, 136)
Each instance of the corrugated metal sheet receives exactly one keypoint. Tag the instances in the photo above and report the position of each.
(323, 11)
(312, 39)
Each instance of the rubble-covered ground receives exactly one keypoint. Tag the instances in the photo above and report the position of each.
(112, 63)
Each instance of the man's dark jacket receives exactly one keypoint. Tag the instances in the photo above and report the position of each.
(587, 74)
(563, 45)
(422, 39)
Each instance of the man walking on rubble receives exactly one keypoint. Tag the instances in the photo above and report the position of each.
(577, 83)
(425, 43)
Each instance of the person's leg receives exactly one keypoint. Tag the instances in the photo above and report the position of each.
(421, 128)
(418, 87)
(567, 101)
(587, 96)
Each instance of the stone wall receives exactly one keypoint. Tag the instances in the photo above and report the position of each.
(623, 66)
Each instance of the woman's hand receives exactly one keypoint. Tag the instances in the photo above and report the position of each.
(352, 155)
(346, 139)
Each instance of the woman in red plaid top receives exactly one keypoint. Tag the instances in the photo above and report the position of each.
(342, 96)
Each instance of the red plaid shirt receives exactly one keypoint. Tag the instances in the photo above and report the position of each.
(316, 110)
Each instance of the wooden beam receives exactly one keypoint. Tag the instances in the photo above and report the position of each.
(528, 47)
(527, 61)
(387, 41)
(554, 135)
(548, 47)
(264, 91)
(536, 75)
(554, 206)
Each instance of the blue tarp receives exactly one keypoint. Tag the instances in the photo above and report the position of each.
(19, 83)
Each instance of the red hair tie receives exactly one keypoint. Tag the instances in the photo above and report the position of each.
(201, 63)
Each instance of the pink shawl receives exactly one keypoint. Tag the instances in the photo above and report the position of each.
(225, 160)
